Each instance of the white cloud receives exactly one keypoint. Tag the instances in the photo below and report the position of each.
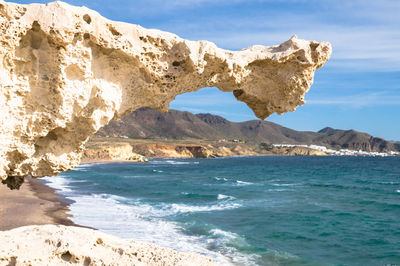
(358, 101)
(366, 31)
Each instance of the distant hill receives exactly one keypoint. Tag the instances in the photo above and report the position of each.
(150, 124)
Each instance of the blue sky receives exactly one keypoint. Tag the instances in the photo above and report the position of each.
(359, 88)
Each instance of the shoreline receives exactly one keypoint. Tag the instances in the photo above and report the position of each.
(44, 205)
(34, 218)
(89, 162)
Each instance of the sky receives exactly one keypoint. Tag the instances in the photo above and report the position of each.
(359, 88)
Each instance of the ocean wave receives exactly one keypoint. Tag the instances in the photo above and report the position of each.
(389, 183)
(158, 171)
(231, 244)
(225, 197)
(398, 191)
(219, 232)
(58, 182)
(239, 182)
(176, 162)
(284, 185)
(106, 213)
(277, 189)
(182, 208)
(173, 162)
(221, 178)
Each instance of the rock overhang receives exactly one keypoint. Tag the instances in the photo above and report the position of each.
(67, 71)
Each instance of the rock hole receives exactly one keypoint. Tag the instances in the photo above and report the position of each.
(113, 30)
(66, 256)
(314, 46)
(44, 142)
(87, 261)
(120, 251)
(35, 26)
(36, 38)
(176, 63)
(99, 241)
(86, 36)
(59, 244)
(52, 135)
(238, 93)
(301, 58)
(13, 261)
(87, 18)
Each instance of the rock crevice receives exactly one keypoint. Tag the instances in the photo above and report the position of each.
(66, 71)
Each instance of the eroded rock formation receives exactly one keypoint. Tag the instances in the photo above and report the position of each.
(66, 245)
(66, 71)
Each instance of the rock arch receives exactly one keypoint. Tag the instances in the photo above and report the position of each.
(66, 71)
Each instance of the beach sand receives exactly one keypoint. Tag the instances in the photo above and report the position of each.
(33, 204)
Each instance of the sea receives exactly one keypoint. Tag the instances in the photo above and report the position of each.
(270, 210)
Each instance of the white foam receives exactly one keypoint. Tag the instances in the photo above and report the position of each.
(138, 221)
(225, 197)
(243, 182)
(58, 182)
(221, 178)
(143, 222)
(398, 191)
(176, 162)
(224, 233)
(182, 208)
(389, 183)
(284, 185)
(277, 190)
(172, 162)
(227, 240)
(157, 171)
(84, 167)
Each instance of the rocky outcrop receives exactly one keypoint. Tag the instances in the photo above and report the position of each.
(296, 151)
(160, 150)
(66, 71)
(62, 245)
(111, 152)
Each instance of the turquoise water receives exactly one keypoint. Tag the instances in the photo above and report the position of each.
(248, 210)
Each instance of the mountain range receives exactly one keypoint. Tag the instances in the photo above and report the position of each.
(148, 123)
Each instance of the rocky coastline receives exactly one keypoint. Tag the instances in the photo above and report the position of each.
(116, 149)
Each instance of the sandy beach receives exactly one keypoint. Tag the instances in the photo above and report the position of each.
(33, 204)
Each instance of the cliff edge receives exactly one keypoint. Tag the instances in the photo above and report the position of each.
(67, 71)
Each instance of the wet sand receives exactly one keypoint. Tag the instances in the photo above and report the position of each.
(33, 204)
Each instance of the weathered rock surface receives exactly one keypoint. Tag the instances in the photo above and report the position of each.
(111, 152)
(63, 245)
(163, 150)
(66, 71)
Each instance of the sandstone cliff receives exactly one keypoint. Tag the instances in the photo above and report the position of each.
(67, 71)
(111, 152)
